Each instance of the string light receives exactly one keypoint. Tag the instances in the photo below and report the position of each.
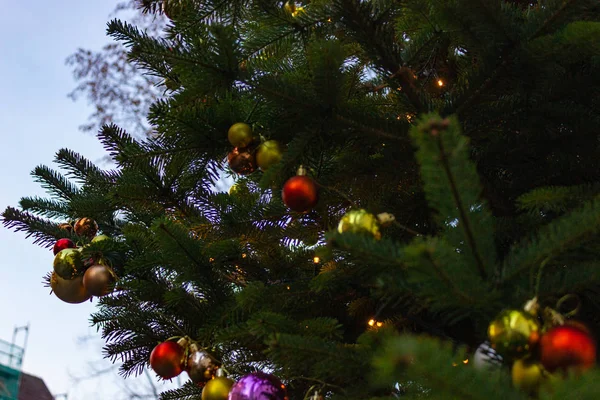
(244, 255)
(466, 361)
(211, 259)
(373, 322)
(316, 260)
(440, 83)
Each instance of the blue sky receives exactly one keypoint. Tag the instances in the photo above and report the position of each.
(37, 119)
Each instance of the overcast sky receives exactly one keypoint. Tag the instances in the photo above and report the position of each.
(37, 119)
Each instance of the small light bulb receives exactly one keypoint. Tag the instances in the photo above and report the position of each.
(211, 259)
(454, 364)
(244, 255)
(379, 324)
(440, 83)
(288, 288)
(316, 260)
(371, 322)
(466, 361)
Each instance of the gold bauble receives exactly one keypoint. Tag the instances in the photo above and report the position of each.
(217, 389)
(527, 375)
(358, 221)
(86, 227)
(99, 280)
(513, 333)
(240, 135)
(69, 290)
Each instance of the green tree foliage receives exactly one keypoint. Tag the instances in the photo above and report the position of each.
(475, 123)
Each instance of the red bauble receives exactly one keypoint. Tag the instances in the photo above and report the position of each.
(167, 360)
(300, 193)
(567, 346)
(62, 244)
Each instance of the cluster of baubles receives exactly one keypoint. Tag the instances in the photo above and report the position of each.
(540, 349)
(247, 154)
(299, 193)
(75, 279)
(171, 358)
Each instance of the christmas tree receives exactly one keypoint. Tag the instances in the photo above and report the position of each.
(413, 179)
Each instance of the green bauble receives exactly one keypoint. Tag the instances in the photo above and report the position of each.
(68, 263)
(268, 153)
(240, 135)
(360, 221)
(217, 389)
(513, 333)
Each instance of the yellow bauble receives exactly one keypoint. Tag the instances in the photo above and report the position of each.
(513, 333)
(240, 135)
(527, 375)
(357, 221)
(268, 153)
(217, 389)
(239, 189)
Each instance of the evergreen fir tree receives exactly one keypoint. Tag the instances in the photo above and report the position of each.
(473, 122)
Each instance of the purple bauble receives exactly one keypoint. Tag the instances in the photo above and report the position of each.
(258, 386)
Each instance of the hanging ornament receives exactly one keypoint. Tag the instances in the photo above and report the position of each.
(268, 154)
(86, 227)
(99, 280)
(100, 238)
(62, 244)
(513, 333)
(258, 386)
(486, 357)
(66, 226)
(240, 135)
(167, 359)
(360, 221)
(242, 161)
(239, 189)
(217, 388)
(201, 366)
(567, 346)
(69, 290)
(527, 375)
(300, 192)
(68, 263)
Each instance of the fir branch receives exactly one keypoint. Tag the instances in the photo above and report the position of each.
(55, 183)
(558, 237)
(44, 231)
